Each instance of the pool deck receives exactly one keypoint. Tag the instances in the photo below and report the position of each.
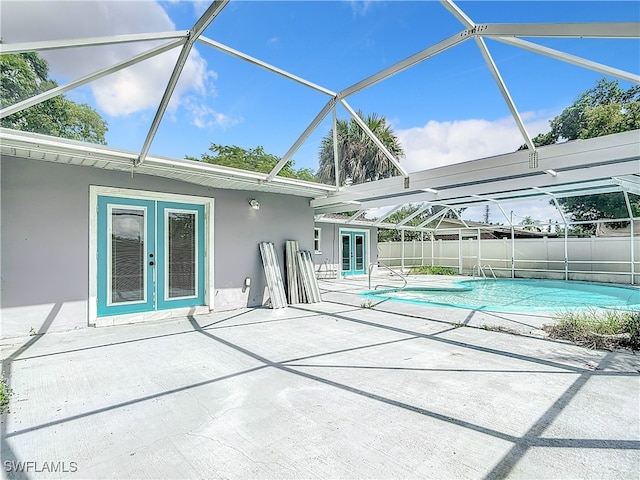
(326, 390)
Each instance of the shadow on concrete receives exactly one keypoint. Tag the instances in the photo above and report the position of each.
(7, 453)
(532, 438)
(520, 444)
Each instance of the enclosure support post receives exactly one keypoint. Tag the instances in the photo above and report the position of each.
(421, 249)
(513, 252)
(633, 259)
(566, 252)
(631, 237)
(479, 247)
(459, 251)
(402, 260)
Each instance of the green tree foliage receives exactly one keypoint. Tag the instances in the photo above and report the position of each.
(360, 159)
(254, 159)
(602, 110)
(392, 235)
(594, 207)
(387, 235)
(25, 75)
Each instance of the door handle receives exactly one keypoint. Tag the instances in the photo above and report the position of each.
(151, 264)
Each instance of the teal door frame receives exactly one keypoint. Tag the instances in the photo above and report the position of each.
(353, 252)
(125, 225)
(142, 246)
(169, 297)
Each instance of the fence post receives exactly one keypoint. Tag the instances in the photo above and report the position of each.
(432, 248)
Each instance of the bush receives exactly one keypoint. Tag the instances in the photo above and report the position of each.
(429, 270)
(5, 393)
(601, 329)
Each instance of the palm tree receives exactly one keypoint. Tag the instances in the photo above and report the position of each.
(360, 159)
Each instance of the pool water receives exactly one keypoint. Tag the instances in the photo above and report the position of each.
(518, 295)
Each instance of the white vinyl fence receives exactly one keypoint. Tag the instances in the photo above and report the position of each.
(600, 259)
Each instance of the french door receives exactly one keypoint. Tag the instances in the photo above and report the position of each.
(150, 255)
(353, 252)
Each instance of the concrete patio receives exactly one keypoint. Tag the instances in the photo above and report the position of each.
(328, 390)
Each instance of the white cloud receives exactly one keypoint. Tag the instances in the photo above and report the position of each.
(444, 143)
(438, 144)
(206, 117)
(135, 89)
(273, 41)
(360, 7)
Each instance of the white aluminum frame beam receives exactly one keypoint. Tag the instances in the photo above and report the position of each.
(336, 151)
(598, 158)
(355, 215)
(265, 65)
(198, 28)
(518, 189)
(301, 139)
(441, 213)
(457, 214)
(406, 220)
(375, 139)
(467, 22)
(559, 30)
(626, 185)
(89, 42)
(29, 102)
(365, 83)
(572, 59)
(387, 215)
(504, 214)
(408, 62)
(580, 165)
(505, 93)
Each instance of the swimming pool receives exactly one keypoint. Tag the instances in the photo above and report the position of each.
(518, 295)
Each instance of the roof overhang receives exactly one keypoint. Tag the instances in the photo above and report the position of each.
(581, 167)
(51, 149)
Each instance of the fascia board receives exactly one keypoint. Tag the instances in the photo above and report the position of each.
(44, 146)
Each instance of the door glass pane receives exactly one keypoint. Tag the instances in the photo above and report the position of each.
(359, 252)
(127, 255)
(181, 252)
(346, 252)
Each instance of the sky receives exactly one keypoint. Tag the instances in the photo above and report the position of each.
(444, 110)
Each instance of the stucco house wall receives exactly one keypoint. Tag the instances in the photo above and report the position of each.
(330, 244)
(45, 222)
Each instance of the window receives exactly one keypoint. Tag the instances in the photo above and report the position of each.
(317, 235)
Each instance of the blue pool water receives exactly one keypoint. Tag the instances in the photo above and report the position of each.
(518, 295)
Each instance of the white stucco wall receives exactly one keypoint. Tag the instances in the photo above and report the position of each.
(44, 220)
(330, 243)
